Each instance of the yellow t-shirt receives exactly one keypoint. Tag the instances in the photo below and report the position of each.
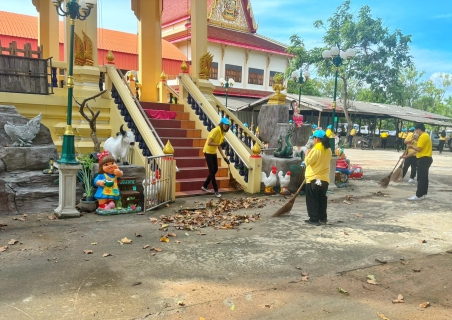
(441, 137)
(353, 132)
(217, 136)
(409, 137)
(400, 134)
(384, 135)
(404, 135)
(330, 133)
(425, 143)
(318, 163)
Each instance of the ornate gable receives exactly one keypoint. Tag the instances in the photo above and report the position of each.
(232, 14)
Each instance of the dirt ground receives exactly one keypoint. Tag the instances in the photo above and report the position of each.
(272, 268)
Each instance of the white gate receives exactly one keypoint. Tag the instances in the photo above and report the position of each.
(157, 186)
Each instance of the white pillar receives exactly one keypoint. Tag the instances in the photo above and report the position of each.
(67, 191)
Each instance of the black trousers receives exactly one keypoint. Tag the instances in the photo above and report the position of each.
(383, 143)
(212, 163)
(316, 201)
(441, 145)
(423, 165)
(410, 162)
(350, 141)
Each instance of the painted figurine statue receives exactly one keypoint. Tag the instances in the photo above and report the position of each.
(269, 181)
(284, 181)
(107, 181)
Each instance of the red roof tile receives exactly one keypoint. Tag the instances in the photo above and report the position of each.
(174, 10)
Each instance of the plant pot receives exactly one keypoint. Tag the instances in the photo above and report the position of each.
(88, 206)
(89, 199)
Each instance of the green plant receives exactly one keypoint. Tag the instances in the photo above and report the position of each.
(85, 174)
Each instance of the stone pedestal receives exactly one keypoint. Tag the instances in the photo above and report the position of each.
(67, 191)
(299, 138)
(333, 163)
(86, 80)
(283, 164)
(269, 117)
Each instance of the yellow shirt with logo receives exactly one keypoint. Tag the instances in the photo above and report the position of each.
(409, 137)
(384, 135)
(353, 132)
(217, 136)
(425, 143)
(318, 163)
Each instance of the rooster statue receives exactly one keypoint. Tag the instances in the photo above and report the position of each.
(22, 135)
(152, 188)
(270, 181)
(284, 183)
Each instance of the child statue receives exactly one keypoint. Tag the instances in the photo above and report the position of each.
(107, 181)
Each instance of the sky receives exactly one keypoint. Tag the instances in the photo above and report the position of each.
(428, 22)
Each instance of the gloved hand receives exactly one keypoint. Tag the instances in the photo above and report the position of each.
(227, 161)
(303, 164)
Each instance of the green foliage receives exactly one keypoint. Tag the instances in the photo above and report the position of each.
(308, 88)
(85, 174)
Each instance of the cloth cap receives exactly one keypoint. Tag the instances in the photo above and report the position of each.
(225, 121)
(319, 134)
(412, 129)
(314, 126)
(330, 126)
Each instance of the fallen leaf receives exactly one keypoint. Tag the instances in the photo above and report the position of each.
(146, 246)
(13, 241)
(140, 213)
(305, 278)
(417, 270)
(371, 277)
(398, 301)
(136, 283)
(52, 217)
(177, 241)
(347, 202)
(157, 249)
(404, 262)
(372, 281)
(304, 274)
(424, 305)
(381, 261)
(106, 255)
(14, 218)
(25, 215)
(88, 251)
(422, 241)
(382, 316)
(3, 248)
(3, 225)
(359, 215)
(172, 235)
(94, 243)
(346, 233)
(399, 297)
(164, 226)
(164, 239)
(181, 303)
(233, 307)
(201, 233)
(137, 235)
(187, 234)
(267, 306)
(342, 291)
(22, 219)
(153, 254)
(153, 220)
(126, 241)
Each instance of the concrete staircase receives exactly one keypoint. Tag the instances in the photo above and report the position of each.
(188, 144)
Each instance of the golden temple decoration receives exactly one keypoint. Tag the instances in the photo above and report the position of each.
(228, 14)
(204, 65)
(184, 67)
(278, 97)
(230, 9)
(110, 57)
(256, 149)
(168, 148)
(79, 51)
(163, 76)
(88, 47)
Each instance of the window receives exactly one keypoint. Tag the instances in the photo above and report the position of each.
(255, 76)
(234, 72)
(214, 70)
(272, 74)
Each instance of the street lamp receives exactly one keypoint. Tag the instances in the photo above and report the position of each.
(300, 79)
(227, 84)
(338, 57)
(75, 10)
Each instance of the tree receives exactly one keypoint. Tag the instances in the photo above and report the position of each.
(380, 54)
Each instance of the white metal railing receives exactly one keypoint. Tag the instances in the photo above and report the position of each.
(157, 185)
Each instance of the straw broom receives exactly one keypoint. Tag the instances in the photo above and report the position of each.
(288, 206)
(397, 175)
(385, 181)
(233, 184)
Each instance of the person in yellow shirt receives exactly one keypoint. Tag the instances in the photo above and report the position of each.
(411, 139)
(350, 137)
(384, 138)
(442, 141)
(329, 132)
(213, 142)
(423, 151)
(399, 141)
(317, 178)
(404, 135)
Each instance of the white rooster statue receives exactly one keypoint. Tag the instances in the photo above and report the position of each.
(152, 188)
(270, 181)
(22, 135)
(284, 183)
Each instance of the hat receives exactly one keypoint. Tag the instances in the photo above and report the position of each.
(319, 134)
(330, 126)
(412, 129)
(404, 130)
(314, 126)
(225, 121)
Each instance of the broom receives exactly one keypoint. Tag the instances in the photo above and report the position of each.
(288, 206)
(398, 173)
(385, 181)
(233, 184)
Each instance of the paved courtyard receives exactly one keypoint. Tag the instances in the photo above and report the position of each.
(270, 268)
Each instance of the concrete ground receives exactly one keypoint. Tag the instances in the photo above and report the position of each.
(272, 268)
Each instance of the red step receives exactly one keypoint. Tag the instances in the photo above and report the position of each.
(181, 124)
(188, 152)
(196, 172)
(184, 162)
(184, 142)
(176, 132)
(162, 106)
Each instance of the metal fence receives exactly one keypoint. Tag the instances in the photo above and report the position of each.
(157, 186)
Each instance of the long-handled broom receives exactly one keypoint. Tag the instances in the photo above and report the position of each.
(397, 175)
(233, 184)
(288, 206)
(385, 181)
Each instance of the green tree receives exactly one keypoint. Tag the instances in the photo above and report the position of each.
(380, 54)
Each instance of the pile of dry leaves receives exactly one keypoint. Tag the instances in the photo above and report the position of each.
(218, 214)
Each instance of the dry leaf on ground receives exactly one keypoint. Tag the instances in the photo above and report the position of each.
(381, 315)
(137, 235)
(399, 299)
(106, 255)
(88, 251)
(422, 241)
(346, 233)
(381, 261)
(3, 225)
(52, 217)
(342, 291)
(164, 239)
(172, 235)
(126, 240)
(13, 241)
(137, 283)
(417, 270)
(156, 249)
(153, 220)
(372, 282)
(424, 305)
(146, 246)
(22, 219)
(359, 215)
(3, 248)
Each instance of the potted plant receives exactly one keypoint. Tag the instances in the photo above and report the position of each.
(88, 203)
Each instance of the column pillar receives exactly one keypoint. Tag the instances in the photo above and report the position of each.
(67, 186)
(48, 29)
(198, 34)
(148, 13)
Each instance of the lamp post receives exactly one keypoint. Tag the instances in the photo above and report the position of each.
(300, 79)
(227, 84)
(337, 57)
(75, 10)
